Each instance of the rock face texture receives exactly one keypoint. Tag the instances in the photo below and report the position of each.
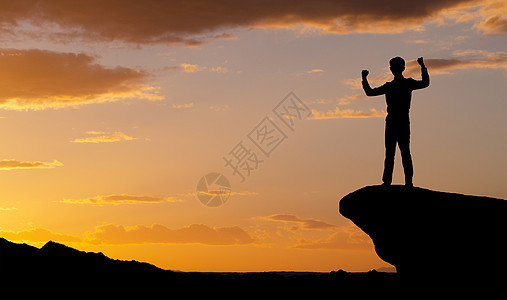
(428, 234)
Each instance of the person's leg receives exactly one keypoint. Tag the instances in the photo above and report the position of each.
(406, 159)
(390, 143)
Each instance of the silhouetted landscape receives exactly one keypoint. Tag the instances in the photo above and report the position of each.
(426, 235)
(221, 149)
(55, 262)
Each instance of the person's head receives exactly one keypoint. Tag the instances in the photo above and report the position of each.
(397, 65)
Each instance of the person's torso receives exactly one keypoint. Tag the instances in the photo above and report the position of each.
(399, 96)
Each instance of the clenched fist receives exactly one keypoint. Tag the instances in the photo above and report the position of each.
(420, 61)
(364, 73)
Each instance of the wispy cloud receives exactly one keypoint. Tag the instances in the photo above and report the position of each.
(311, 72)
(301, 233)
(8, 208)
(219, 69)
(112, 234)
(118, 199)
(104, 137)
(315, 234)
(343, 237)
(338, 113)
(219, 107)
(193, 68)
(195, 233)
(222, 192)
(190, 68)
(345, 100)
(225, 36)
(305, 223)
(39, 79)
(315, 71)
(418, 41)
(38, 235)
(12, 164)
(489, 16)
(184, 105)
(460, 60)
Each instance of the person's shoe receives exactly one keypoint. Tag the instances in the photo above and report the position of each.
(386, 184)
(409, 184)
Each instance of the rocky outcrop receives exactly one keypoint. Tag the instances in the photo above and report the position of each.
(428, 234)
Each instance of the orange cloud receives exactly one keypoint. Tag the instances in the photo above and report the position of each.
(191, 21)
(189, 68)
(222, 192)
(343, 237)
(105, 138)
(39, 79)
(219, 108)
(38, 235)
(347, 113)
(219, 69)
(195, 233)
(192, 68)
(12, 164)
(8, 208)
(491, 17)
(305, 223)
(315, 71)
(185, 105)
(327, 236)
(340, 101)
(119, 235)
(494, 24)
(119, 199)
(463, 59)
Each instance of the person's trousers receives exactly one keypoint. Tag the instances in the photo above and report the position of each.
(397, 132)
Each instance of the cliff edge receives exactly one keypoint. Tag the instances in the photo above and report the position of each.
(429, 234)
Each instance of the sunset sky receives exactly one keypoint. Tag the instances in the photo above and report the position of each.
(112, 111)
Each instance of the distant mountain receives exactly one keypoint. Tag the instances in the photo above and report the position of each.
(55, 263)
(58, 262)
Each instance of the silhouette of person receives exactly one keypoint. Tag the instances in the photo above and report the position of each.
(398, 96)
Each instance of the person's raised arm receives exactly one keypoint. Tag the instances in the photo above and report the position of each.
(366, 86)
(425, 82)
